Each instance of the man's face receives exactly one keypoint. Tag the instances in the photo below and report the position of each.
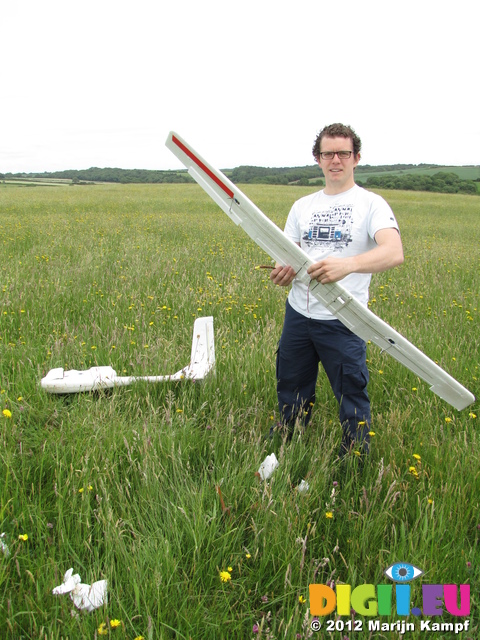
(338, 172)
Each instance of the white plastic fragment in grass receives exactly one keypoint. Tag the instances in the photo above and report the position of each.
(4, 546)
(268, 466)
(303, 487)
(85, 597)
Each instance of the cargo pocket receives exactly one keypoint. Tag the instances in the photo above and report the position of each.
(354, 379)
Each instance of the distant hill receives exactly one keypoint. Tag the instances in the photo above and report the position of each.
(423, 177)
(469, 172)
(438, 181)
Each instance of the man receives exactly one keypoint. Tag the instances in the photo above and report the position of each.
(350, 233)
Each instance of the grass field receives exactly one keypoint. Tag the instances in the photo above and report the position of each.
(123, 485)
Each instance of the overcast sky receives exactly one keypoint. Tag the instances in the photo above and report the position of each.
(102, 82)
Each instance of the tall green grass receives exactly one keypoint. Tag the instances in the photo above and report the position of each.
(128, 485)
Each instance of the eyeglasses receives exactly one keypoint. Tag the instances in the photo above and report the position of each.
(329, 155)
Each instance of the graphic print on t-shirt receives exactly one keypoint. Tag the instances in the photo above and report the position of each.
(330, 229)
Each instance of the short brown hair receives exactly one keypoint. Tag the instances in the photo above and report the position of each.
(336, 130)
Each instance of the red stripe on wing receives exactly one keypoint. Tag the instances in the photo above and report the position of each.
(203, 167)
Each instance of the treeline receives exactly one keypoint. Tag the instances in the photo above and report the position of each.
(308, 175)
(442, 182)
(367, 168)
(243, 175)
(95, 174)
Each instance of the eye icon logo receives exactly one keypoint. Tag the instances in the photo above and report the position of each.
(403, 572)
(377, 600)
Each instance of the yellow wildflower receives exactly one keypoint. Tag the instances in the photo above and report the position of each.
(301, 599)
(371, 433)
(248, 556)
(225, 576)
(417, 457)
(7, 413)
(229, 569)
(23, 536)
(329, 514)
(115, 623)
(102, 629)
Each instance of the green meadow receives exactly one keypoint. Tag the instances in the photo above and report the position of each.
(153, 487)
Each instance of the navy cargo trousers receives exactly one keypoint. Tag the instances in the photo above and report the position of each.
(306, 342)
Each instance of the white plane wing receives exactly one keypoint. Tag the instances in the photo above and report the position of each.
(340, 302)
(202, 361)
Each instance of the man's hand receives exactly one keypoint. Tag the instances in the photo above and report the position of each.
(282, 276)
(387, 254)
(330, 270)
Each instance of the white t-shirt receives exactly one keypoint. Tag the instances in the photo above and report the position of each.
(340, 226)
